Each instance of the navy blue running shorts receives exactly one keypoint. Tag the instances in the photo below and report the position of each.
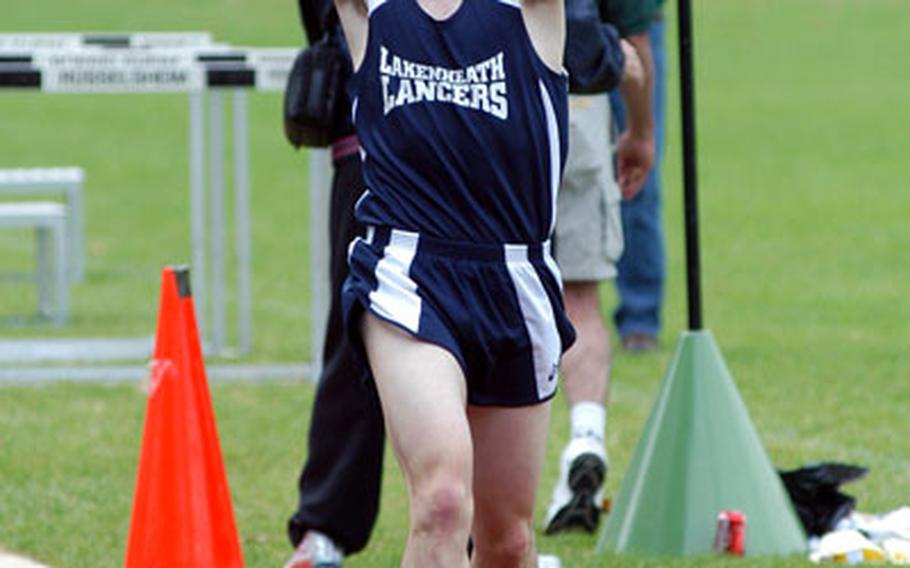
(496, 308)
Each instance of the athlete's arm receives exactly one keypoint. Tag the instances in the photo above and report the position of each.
(546, 23)
(635, 147)
(354, 16)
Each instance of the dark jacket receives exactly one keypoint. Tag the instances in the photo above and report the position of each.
(593, 56)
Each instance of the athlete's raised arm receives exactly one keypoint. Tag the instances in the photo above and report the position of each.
(546, 23)
(354, 16)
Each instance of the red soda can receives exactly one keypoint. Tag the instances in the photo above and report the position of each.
(731, 533)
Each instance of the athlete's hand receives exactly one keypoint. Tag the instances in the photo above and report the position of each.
(634, 159)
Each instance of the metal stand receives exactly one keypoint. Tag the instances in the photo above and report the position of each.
(242, 232)
(209, 221)
(690, 176)
(320, 178)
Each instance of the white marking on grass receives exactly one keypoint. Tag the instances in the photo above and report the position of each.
(13, 561)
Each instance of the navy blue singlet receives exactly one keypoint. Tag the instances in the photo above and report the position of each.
(462, 125)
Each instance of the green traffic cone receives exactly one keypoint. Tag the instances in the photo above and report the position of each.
(699, 455)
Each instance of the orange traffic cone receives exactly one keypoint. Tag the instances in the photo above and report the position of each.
(182, 514)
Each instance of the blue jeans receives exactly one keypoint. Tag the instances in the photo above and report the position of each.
(642, 268)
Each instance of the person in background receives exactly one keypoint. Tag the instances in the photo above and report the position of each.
(339, 485)
(642, 268)
(589, 232)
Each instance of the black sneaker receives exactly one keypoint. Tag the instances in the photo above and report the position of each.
(576, 502)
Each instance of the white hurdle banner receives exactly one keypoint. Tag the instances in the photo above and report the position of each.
(176, 62)
(186, 70)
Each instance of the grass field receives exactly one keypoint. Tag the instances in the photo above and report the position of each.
(802, 138)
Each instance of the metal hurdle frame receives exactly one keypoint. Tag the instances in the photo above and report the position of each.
(212, 71)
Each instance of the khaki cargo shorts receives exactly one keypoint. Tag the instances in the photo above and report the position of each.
(589, 237)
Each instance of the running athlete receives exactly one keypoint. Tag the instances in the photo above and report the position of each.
(460, 107)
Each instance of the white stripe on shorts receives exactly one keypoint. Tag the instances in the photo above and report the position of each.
(396, 296)
(538, 316)
(551, 263)
(364, 195)
(368, 239)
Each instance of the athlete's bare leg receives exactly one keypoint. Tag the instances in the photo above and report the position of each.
(509, 448)
(423, 396)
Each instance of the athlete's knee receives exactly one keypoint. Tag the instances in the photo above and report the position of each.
(442, 506)
(509, 545)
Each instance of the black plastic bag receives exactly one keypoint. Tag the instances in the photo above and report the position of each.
(814, 490)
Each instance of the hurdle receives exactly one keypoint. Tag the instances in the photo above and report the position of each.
(166, 62)
(49, 221)
(29, 181)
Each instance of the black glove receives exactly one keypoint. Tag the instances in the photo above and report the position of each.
(314, 94)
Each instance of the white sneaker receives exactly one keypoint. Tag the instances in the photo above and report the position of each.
(578, 495)
(316, 550)
(548, 561)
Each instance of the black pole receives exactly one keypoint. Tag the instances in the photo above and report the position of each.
(690, 183)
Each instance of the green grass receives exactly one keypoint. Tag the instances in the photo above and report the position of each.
(802, 131)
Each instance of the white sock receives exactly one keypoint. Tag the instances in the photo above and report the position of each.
(588, 419)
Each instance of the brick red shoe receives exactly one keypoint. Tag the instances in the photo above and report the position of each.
(316, 550)
(639, 343)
